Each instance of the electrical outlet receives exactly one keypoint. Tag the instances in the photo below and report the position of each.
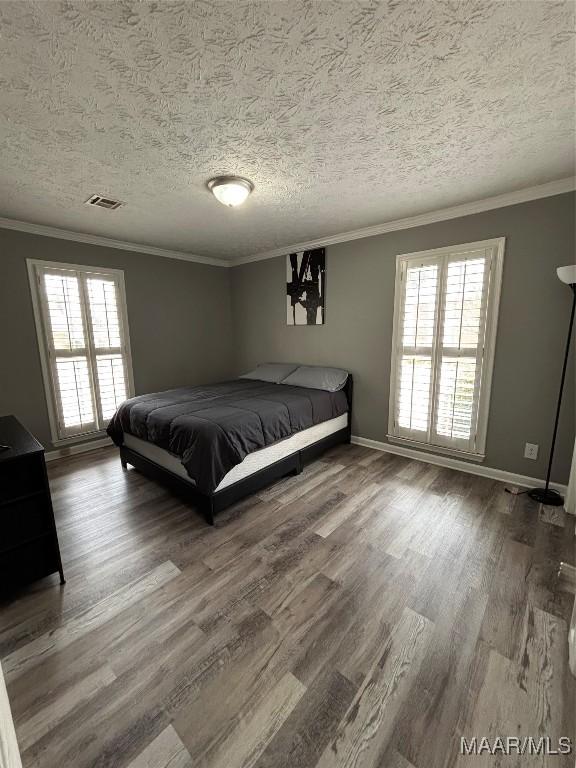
(530, 451)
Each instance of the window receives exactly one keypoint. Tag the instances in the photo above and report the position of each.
(83, 334)
(445, 314)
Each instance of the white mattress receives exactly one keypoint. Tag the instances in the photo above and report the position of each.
(253, 462)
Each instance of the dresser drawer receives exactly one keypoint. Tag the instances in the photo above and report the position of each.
(28, 538)
(20, 477)
(23, 520)
(27, 563)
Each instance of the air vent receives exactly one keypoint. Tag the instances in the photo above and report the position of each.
(104, 202)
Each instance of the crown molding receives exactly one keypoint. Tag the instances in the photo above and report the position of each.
(123, 245)
(465, 209)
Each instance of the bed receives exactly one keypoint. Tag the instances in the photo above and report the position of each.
(215, 444)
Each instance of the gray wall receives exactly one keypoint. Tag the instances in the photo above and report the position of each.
(191, 323)
(178, 313)
(533, 321)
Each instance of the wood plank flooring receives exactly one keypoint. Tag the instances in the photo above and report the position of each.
(368, 613)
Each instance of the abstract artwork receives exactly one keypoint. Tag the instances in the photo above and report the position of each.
(305, 286)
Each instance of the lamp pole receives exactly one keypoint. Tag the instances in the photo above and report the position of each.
(546, 495)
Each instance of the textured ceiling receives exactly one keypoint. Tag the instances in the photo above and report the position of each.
(343, 114)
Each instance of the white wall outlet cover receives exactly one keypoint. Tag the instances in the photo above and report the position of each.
(530, 451)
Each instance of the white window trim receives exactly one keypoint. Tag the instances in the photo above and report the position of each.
(41, 333)
(496, 245)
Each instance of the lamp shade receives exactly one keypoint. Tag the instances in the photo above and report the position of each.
(567, 274)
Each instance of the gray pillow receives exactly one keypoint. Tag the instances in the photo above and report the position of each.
(272, 372)
(317, 377)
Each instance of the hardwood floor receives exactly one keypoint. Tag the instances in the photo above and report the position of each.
(369, 612)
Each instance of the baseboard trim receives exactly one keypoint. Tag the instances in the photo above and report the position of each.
(399, 450)
(462, 466)
(9, 752)
(62, 453)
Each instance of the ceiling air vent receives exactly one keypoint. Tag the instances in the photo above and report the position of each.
(103, 202)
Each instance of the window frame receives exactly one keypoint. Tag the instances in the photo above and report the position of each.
(495, 262)
(36, 268)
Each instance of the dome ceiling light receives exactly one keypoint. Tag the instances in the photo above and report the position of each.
(230, 190)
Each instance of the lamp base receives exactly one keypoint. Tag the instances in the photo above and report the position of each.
(546, 496)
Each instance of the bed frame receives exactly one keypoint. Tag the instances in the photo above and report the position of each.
(211, 504)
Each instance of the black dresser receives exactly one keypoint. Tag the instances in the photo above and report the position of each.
(28, 540)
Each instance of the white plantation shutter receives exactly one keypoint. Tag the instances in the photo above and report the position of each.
(111, 383)
(418, 313)
(108, 350)
(461, 345)
(444, 333)
(82, 317)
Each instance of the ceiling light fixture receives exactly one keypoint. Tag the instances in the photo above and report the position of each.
(230, 190)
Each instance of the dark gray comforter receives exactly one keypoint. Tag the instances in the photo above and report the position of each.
(212, 428)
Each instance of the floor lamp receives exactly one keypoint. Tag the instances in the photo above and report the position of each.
(546, 495)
